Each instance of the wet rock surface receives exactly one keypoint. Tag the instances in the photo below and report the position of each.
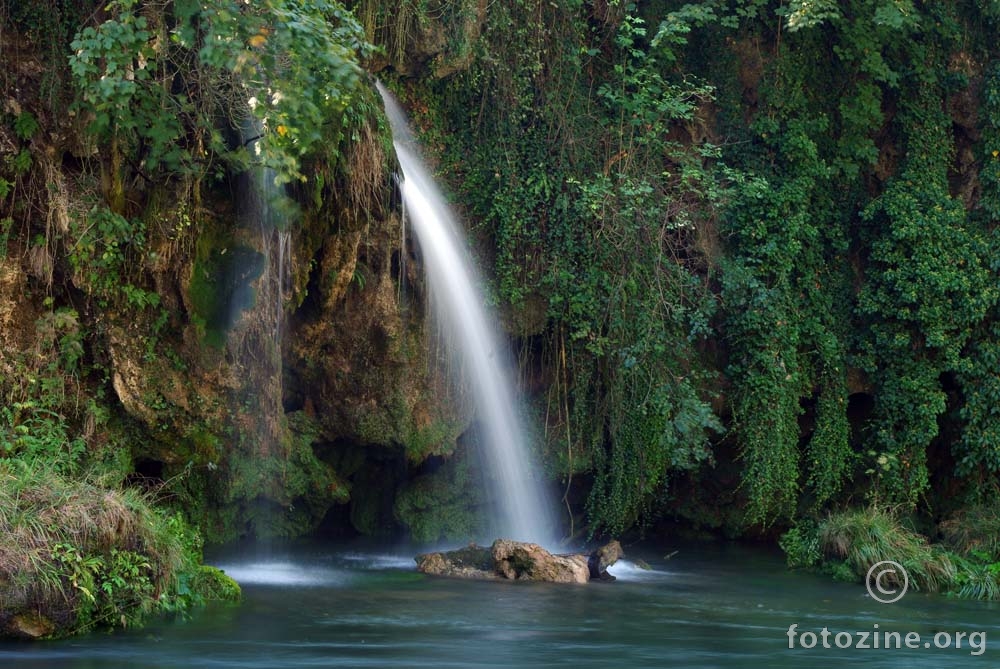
(521, 561)
(605, 556)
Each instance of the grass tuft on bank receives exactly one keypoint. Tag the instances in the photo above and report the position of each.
(75, 556)
(862, 538)
(846, 544)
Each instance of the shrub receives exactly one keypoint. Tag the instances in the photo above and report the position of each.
(212, 584)
(801, 545)
(864, 537)
(977, 580)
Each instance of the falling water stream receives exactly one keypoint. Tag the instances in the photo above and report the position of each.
(263, 213)
(262, 202)
(524, 512)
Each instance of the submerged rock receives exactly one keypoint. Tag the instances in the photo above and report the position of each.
(30, 625)
(520, 561)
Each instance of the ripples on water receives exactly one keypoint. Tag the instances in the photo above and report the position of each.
(710, 606)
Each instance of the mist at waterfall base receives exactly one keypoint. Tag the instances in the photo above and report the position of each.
(523, 510)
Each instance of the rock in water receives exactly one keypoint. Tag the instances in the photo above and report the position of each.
(473, 562)
(30, 626)
(521, 561)
(515, 560)
(604, 557)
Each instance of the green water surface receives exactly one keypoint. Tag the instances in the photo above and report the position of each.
(707, 606)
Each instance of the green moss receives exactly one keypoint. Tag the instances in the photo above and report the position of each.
(222, 284)
(213, 584)
(376, 427)
(442, 505)
(434, 438)
(285, 493)
(420, 436)
(204, 444)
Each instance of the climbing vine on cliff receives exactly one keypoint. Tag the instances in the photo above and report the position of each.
(918, 254)
(580, 177)
(604, 191)
(786, 267)
(978, 452)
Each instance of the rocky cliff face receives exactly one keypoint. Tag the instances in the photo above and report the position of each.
(268, 370)
(421, 38)
(305, 392)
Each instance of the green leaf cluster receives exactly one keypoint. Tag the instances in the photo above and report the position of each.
(165, 86)
(929, 287)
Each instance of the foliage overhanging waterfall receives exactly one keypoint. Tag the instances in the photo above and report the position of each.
(523, 511)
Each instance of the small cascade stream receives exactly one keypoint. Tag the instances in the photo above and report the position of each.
(281, 278)
(523, 509)
(263, 212)
(262, 209)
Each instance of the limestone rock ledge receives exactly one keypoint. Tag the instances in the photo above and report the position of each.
(520, 561)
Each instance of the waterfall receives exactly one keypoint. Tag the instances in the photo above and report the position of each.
(281, 279)
(523, 509)
(264, 212)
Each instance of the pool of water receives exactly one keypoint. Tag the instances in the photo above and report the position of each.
(706, 606)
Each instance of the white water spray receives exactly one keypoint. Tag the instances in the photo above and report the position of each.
(524, 512)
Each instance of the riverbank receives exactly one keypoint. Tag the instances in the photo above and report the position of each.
(720, 605)
(76, 556)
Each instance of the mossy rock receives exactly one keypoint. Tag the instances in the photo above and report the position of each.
(221, 286)
(30, 625)
(421, 432)
(214, 585)
(444, 504)
(285, 493)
